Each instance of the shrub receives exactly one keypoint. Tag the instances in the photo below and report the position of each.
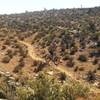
(19, 67)
(7, 42)
(70, 63)
(3, 47)
(66, 57)
(95, 61)
(24, 93)
(7, 89)
(40, 66)
(44, 87)
(91, 76)
(80, 89)
(92, 27)
(98, 67)
(23, 52)
(81, 69)
(62, 76)
(76, 69)
(2, 95)
(95, 70)
(73, 50)
(10, 53)
(35, 63)
(21, 59)
(82, 58)
(73, 90)
(6, 59)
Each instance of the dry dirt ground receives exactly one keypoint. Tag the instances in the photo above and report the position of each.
(33, 54)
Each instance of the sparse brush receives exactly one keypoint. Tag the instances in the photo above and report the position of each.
(6, 59)
(45, 87)
(91, 77)
(98, 68)
(76, 69)
(62, 77)
(82, 58)
(19, 67)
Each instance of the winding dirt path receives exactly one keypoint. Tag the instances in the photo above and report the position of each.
(32, 53)
(34, 56)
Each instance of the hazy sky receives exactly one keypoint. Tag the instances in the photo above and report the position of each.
(17, 6)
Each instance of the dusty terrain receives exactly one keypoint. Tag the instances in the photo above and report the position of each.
(56, 41)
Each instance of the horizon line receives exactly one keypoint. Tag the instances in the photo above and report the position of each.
(81, 7)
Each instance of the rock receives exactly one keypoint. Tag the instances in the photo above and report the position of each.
(50, 73)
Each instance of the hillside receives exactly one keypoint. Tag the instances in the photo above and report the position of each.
(42, 46)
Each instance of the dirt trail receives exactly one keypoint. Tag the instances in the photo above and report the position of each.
(34, 56)
(32, 52)
(63, 69)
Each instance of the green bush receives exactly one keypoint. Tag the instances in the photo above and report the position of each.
(82, 58)
(45, 87)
